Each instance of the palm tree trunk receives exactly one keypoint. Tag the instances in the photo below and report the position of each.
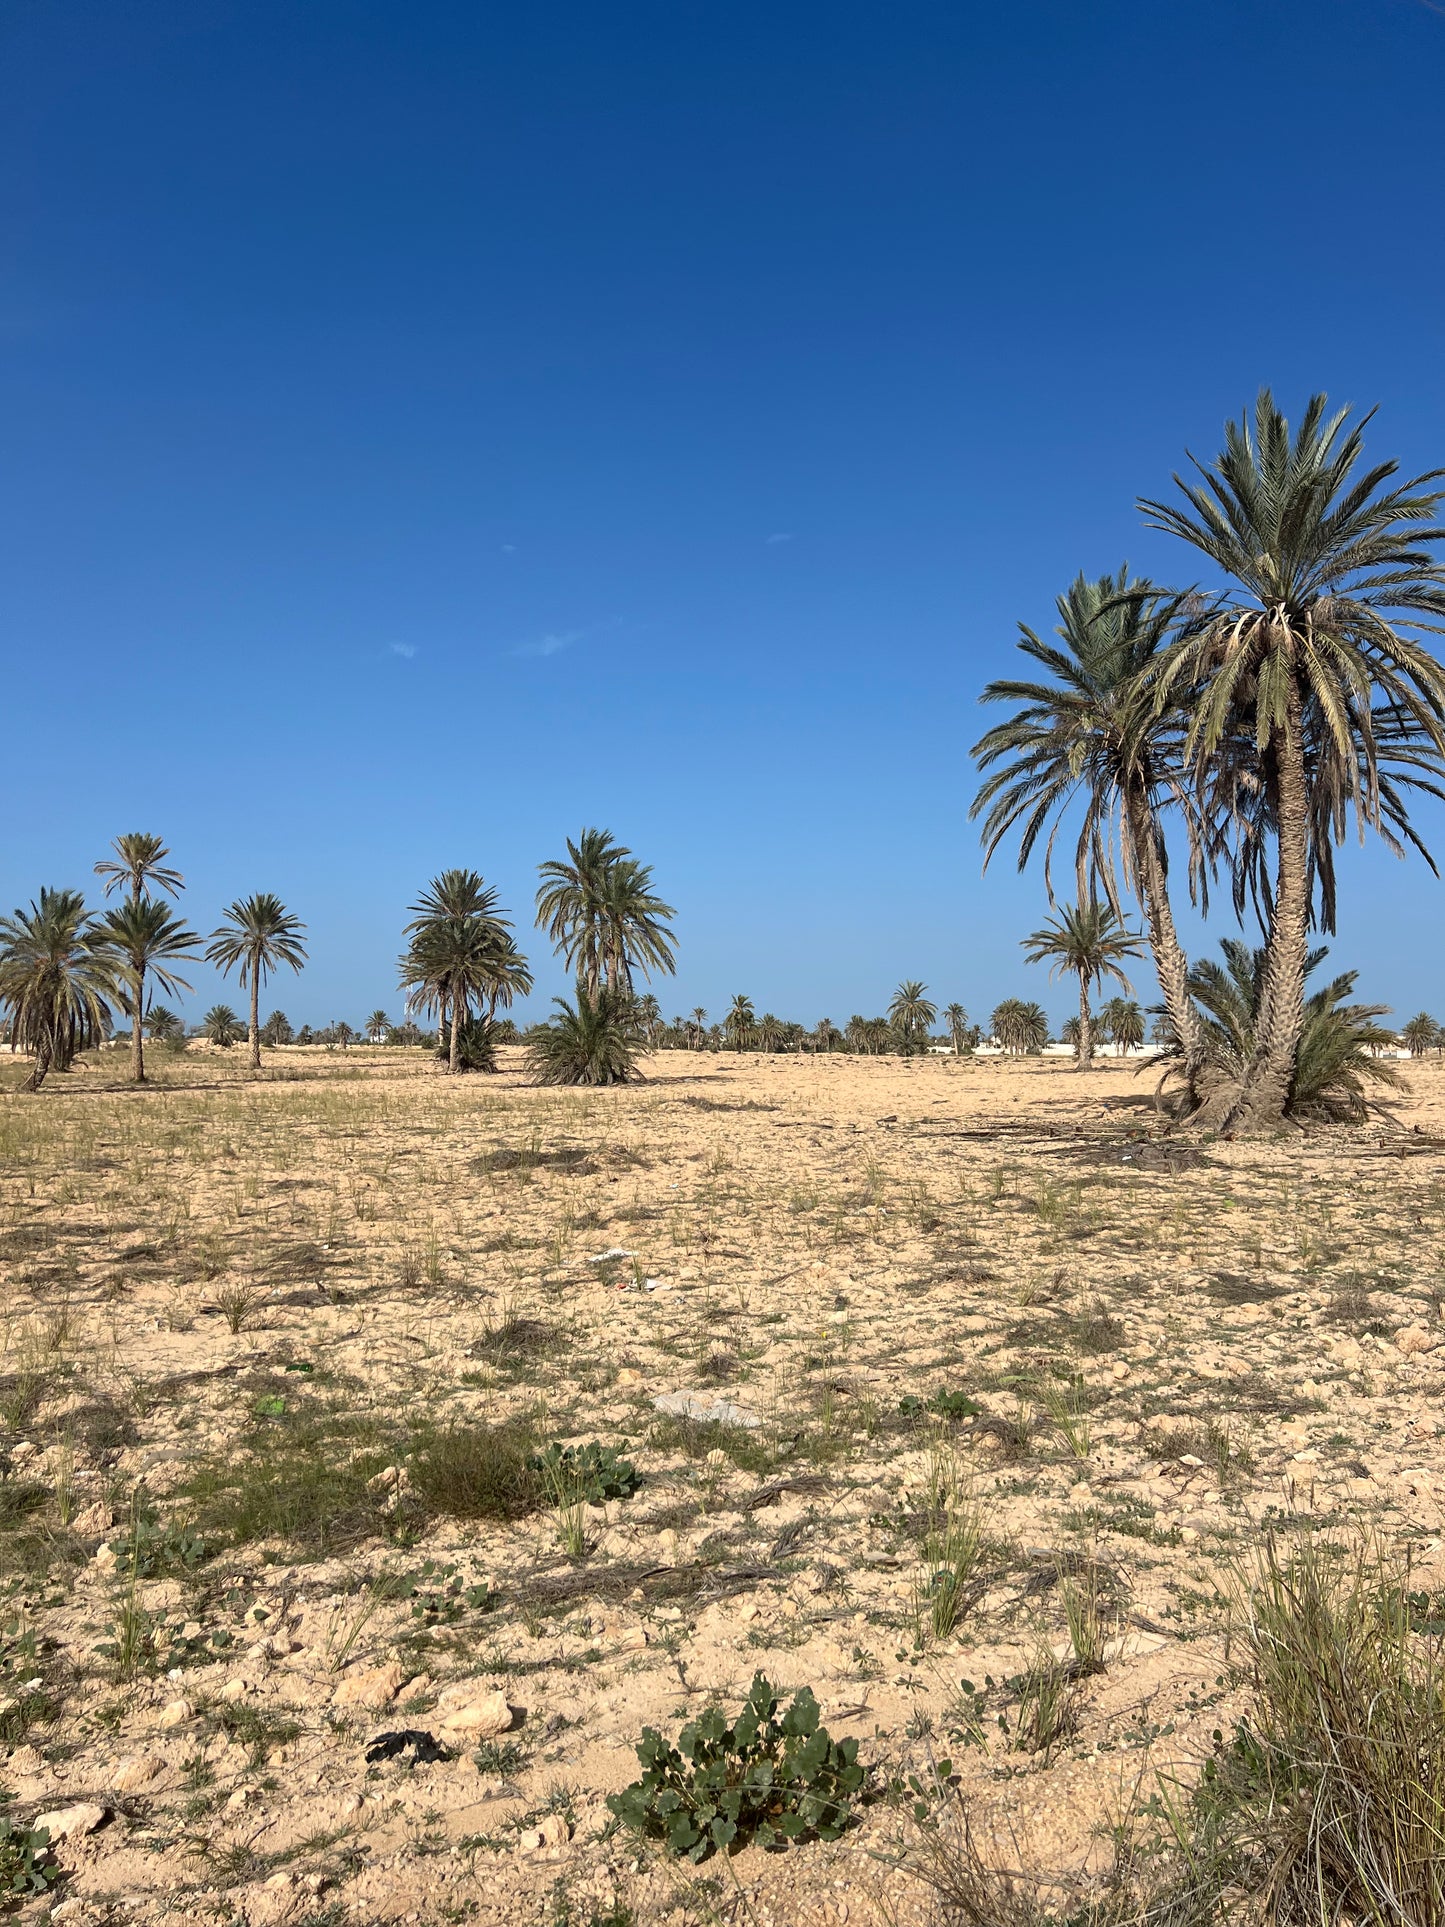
(1171, 966)
(255, 1039)
(1265, 1087)
(454, 1056)
(1085, 1055)
(39, 1067)
(137, 1043)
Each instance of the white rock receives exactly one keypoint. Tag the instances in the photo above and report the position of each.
(137, 1771)
(552, 1832)
(374, 1686)
(71, 1823)
(176, 1713)
(482, 1718)
(703, 1405)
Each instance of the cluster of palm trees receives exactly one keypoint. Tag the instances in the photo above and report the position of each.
(1258, 721)
(65, 970)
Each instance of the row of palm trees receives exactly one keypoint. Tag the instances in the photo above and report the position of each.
(1256, 722)
(63, 968)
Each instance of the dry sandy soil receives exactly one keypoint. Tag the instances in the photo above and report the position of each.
(228, 1560)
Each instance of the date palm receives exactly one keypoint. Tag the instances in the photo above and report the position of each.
(1095, 733)
(1304, 671)
(911, 1014)
(740, 1023)
(451, 965)
(56, 982)
(1021, 1028)
(277, 1030)
(222, 1027)
(377, 1025)
(649, 1016)
(257, 936)
(826, 1034)
(163, 1025)
(452, 898)
(590, 1042)
(139, 862)
(697, 1027)
(1087, 941)
(1421, 1034)
(144, 941)
(599, 909)
(956, 1017)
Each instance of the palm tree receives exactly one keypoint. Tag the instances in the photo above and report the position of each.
(1300, 675)
(649, 1015)
(1123, 1023)
(599, 910)
(56, 982)
(144, 939)
(222, 1026)
(163, 1024)
(827, 1034)
(1088, 941)
(956, 1017)
(377, 1025)
(697, 1027)
(769, 1032)
(452, 898)
(1421, 1034)
(591, 1042)
(1097, 732)
(911, 1014)
(740, 1022)
(1022, 1029)
(1339, 1041)
(138, 863)
(277, 1030)
(259, 934)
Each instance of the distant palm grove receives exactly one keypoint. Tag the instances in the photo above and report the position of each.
(1258, 722)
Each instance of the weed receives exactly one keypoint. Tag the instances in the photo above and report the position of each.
(765, 1778)
(236, 1303)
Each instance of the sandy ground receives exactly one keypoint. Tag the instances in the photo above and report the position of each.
(1167, 1349)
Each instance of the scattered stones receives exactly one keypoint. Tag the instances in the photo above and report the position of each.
(551, 1832)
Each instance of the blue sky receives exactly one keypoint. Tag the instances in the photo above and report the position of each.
(428, 429)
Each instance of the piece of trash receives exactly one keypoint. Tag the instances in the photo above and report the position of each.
(425, 1748)
(657, 1284)
(601, 1257)
(712, 1411)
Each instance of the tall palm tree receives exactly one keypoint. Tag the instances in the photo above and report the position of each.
(144, 940)
(452, 898)
(1303, 667)
(1122, 1022)
(1021, 1028)
(138, 863)
(769, 1032)
(649, 1016)
(911, 1014)
(1096, 732)
(600, 911)
(377, 1025)
(450, 965)
(956, 1017)
(56, 982)
(1087, 941)
(740, 1022)
(826, 1034)
(259, 934)
(697, 1027)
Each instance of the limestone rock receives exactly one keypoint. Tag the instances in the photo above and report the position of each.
(137, 1771)
(71, 1823)
(372, 1687)
(708, 1407)
(480, 1719)
(551, 1832)
(176, 1713)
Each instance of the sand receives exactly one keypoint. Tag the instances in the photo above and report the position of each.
(1172, 1348)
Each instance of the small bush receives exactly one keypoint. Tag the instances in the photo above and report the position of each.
(948, 1405)
(589, 1043)
(477, 1472)
(765, 1778)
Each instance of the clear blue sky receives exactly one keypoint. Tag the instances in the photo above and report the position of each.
(428, 428)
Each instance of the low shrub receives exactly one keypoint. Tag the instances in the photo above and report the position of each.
(590, 1473)
(27, 1866)
(766, 1778)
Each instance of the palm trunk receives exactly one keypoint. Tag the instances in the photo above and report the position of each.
(1085, 1055)
(40, 1066)
(255, 1038)
(1170, 964)
(454, 1056)
(137, 1043)
(1265, 1087)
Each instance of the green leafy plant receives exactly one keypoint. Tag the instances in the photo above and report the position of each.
(590, 1473)
(768, 1778)
(943, 1404)
(26, 1864)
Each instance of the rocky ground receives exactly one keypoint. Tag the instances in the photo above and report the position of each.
(980, 1391)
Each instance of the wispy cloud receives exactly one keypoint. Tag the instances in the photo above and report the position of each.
(549, 644)
(406, 650)
(773, 540)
